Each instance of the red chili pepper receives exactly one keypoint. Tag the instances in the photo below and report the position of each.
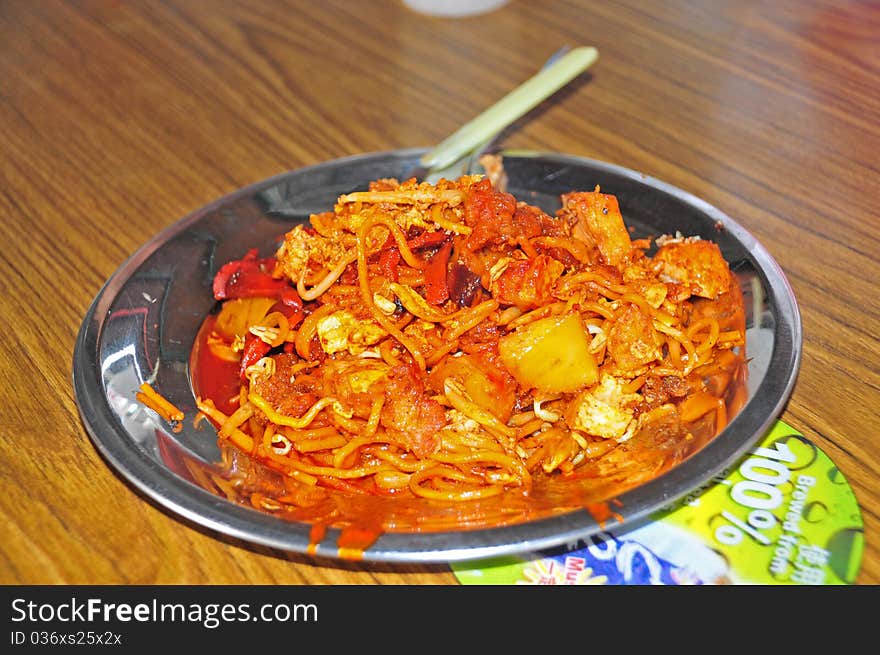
(291, 300)
(294, 316)
(250, 277)
(436, 289)
(427, 240)
(254, 350)
(388, 261)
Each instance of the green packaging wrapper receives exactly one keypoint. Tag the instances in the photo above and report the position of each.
(783, 515)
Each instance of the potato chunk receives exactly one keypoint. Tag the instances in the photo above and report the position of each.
(551, 355)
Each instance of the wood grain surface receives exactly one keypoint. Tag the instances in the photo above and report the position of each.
(119, 117)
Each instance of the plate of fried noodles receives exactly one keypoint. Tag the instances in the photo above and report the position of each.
(343, 362)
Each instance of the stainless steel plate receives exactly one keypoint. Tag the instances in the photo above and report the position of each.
(142, 325)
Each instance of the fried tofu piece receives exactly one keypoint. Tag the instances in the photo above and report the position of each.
(597, 221)
(694, 263)
(632, 341)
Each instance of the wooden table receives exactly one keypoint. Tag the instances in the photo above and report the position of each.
(119, 117)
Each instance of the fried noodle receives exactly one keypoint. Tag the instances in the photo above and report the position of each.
(450, 342)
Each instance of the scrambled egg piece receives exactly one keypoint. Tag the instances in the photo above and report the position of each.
(605, 410)
(457, 422)
(342, 330)
(302, 249)
(348, 377)
(405, 217)
(407, 203)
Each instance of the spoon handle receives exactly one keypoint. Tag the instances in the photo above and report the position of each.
(511, 107)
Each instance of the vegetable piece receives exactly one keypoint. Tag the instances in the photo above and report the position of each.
(251, 277)
(254, 350)
(551, 355)
(388, 261)
(416, 305)
(238, 314)
(462, 283)
(436, 291)
(427, 240)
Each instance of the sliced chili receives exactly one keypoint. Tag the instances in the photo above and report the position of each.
(254, 350)
(436, 288)
(251, 277)
(388, 261)
(427, 240)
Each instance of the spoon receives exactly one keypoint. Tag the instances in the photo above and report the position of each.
(458, 152)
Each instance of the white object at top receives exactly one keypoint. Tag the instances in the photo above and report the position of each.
(454, 8)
